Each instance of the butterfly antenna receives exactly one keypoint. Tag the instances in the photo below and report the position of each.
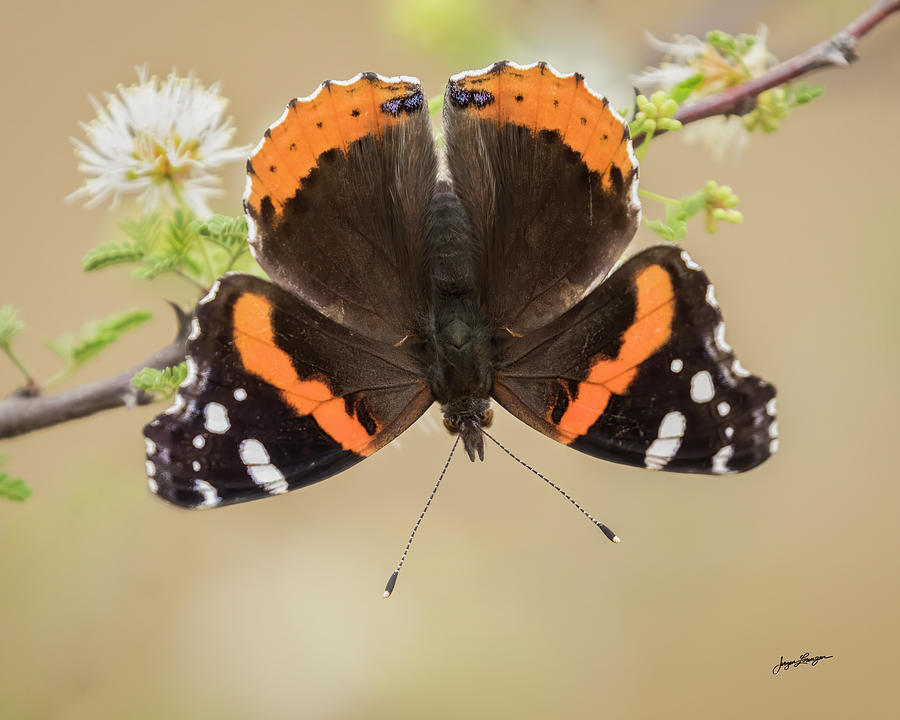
(606, 531)
(389, 588)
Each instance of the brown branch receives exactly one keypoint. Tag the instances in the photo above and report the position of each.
(838, 51)
(23, 412)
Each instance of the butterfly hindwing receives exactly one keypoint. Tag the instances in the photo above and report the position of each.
(544, 169)
(640, 373)
(337, 198)
(278, 396)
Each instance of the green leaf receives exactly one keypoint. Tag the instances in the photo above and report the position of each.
(668, 232)
(62, 346)
(229, 232)
(691, 205)
(727, 44)
(12, 488)
(144, 231)
(109, 254)
(682, 90)
(164, 381)
(180, 235)
(95, 336)
(155, 266)
(723, 41)
(804, 93)
(10, 324)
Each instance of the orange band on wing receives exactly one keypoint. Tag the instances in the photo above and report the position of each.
(651, 329)
(538, 98)
(335, 116)
(255, 341)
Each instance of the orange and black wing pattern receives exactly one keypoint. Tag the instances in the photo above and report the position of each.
(640, 373)
(278, 396)
(337, 202)
(545, 170)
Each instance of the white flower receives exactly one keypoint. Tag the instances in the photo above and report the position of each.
(689, 56)
(161, 141)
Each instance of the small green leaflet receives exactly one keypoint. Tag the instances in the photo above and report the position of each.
(10, 324)
(95, 336)
(165, 381)
(12, 488)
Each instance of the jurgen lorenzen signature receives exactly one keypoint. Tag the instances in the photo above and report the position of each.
(805, 659)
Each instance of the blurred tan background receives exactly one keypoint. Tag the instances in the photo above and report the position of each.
(115, 605)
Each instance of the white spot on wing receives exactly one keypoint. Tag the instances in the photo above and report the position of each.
(673, 425)
(255, 456)
(711, 295)
(151, 469)
(688, 260)
(177, 406)
(677, 365)
(240, 394)
(773, 445)
(211, 295)
(191, 372)
(253, 452)
(721, 458)
(355, 78)
(196, 466)
(702, 387)
(210, 496)
(770, 407)
(721, 343)
(470, 73)
(668, 440)
(773, 429)
(150, 446)
(729, 432)
(215, 418)
(252, 230)
(739, 369)
(153, 485)
(199, 441)
(723, 408)
(269, 478)
(195, 329)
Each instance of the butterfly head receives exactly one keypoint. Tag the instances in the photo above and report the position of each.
(467, 417)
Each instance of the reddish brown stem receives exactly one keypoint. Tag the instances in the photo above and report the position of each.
(838, 51)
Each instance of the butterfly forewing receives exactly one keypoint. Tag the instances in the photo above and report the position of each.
(545, 171)
(337, 199)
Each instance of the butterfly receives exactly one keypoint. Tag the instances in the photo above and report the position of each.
(400, 279)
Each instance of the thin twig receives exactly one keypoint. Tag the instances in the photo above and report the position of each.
(21, 413)
(838, 51)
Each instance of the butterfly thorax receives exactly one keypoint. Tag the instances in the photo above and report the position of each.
(459, 342)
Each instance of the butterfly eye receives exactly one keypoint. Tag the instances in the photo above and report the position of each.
(486, 418)
(451, 427)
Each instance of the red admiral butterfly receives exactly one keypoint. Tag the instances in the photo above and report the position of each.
(397, 284)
